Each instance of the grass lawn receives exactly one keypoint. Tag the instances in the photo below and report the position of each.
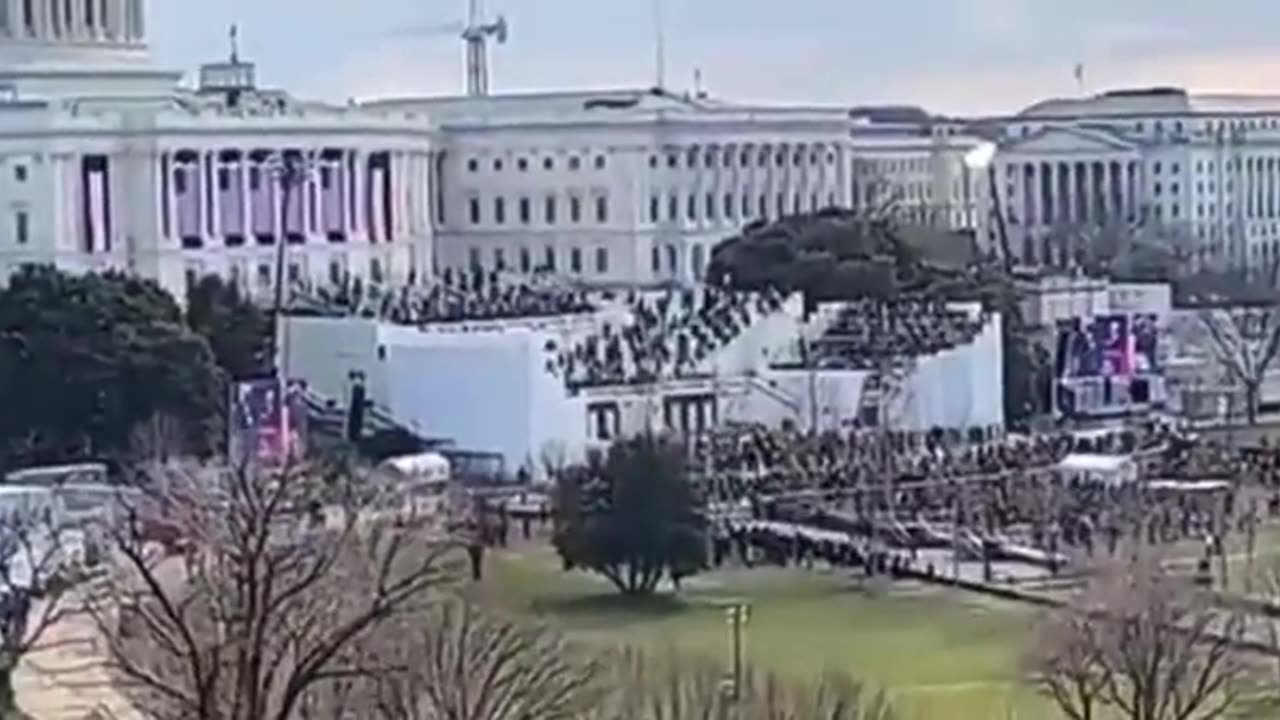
(940, 655)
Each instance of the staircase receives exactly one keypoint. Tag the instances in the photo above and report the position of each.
(381, 436)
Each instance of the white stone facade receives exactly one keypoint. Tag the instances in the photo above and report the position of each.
(106, 163)
(1203, 171)
(623, 187)
(914, 168)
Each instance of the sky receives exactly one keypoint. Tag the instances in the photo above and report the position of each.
(949, 56)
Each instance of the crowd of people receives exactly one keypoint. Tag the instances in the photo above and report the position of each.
(1012, 490)
(667, 336)
(456, 298)
(869, 332)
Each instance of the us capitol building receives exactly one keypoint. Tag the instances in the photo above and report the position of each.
(107, 161)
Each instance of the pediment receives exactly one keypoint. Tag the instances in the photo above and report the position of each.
(1056, 140)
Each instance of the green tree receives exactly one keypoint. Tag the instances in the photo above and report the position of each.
(238, 332)
(632, 518)
(88, 359)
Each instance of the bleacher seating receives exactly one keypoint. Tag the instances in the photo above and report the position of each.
(665, 337)
(867, 333)
(473, 297)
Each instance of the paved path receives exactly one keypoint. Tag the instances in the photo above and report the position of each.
(67, 679)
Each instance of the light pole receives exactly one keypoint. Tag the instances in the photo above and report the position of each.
(736, 613)
(290, 169)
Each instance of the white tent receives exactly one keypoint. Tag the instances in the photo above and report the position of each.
(1095, 467)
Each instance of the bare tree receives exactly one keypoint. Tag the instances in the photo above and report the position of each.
(285, 575)
(672, 686)
(1067, 663)
(39, 560)
(1143, 642)
(1244, 341)
(462, 662)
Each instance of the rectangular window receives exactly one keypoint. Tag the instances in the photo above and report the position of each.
(673, 208)
(575, 209)
(575, 260)
(499, 260)
(692, 209)
(21, 227)
(602, 209)
(711, 206)
(549, 258)
(551, 210)
(602, 260)
(655, 259)
(526, 262)
(654, 208)
(746, 205)
(524, 210)
(20, 173)
(728, 206)
(473, 258)
(499, 211)
(224, 179)
(475, 211)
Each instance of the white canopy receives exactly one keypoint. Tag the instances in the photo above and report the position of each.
(1112, 469)
(427, 465)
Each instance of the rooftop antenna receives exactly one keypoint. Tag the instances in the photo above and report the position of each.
(476, 36)
(1078, 72)
(234, 36)
(698, 92)
(659, 46)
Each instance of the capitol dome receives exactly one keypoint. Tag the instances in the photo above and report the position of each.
(76, 47)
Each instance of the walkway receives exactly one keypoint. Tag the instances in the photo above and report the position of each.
(67, 680)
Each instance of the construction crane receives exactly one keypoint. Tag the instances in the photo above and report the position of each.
(475, 33)
(476, 36)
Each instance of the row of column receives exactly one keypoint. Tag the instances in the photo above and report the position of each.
(78, 20)
(1095, 191)
(740, 180)
(236, 195)
(1261, 187)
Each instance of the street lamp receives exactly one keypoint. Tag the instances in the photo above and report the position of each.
(291, 169)
(982, 159)
(736, 614)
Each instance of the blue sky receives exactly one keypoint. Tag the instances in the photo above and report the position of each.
(950, 55)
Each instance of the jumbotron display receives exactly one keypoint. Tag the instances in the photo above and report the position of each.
(1110, 346)
(1107, 365)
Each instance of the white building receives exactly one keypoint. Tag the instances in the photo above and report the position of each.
(627, 186)
(105, 162)
(1202, 170)
(912, 165)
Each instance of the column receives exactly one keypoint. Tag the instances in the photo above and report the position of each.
(246, 199)
(215, 195)
(358, 209)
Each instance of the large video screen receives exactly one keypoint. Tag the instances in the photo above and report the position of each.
(264, 426)
(1108, 346)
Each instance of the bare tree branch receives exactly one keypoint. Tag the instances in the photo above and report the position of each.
(284, 573)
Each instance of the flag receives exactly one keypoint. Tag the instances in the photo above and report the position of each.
(1078, 71)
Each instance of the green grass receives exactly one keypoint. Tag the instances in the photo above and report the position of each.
(940, 655)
